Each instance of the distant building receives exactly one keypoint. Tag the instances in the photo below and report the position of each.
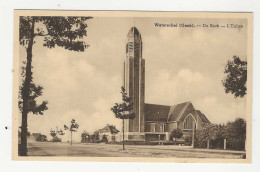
(152, 122)
(109, 132)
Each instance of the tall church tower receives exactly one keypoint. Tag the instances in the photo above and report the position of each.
(134, 83)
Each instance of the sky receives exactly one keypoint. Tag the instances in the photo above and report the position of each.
(181, 64)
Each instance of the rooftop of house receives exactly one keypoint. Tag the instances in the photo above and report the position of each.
(108, 129)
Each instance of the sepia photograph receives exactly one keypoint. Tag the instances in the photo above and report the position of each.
(132, 86)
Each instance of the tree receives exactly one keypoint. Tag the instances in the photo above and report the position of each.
(84, 137)
(55, 138)
(61, 133)
(96, 137)
(124, 110)
(205, 135)
(39, 137)
(55, 134)
(73, 128)
(66, 32)
(236, 134)
(236, 77)
(213, 135)
(176, 134)
(104, 138)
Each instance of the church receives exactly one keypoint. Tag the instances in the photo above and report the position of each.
(152, 121)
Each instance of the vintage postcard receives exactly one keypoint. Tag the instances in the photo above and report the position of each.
(132, 86)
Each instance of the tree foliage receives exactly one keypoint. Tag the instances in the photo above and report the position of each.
(234, 132)
(104, 138)
(176, 134)
(60, 132)
(53, 133)
(65, 32)
(213, 133)
(123, 110)
(95, 137)
(236, 77)
(35, 91)
(73, 126)
(85, 137)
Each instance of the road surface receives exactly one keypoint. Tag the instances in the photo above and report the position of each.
(111, 150)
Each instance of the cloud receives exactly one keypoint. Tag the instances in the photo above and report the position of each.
(186, 75)
(209, 101)
(168, 89)
(84, 67)
(169, 34)
(101, 116)
(219, 111)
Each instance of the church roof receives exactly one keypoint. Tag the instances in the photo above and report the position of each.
(176, 111)
(156, 112)
(163, 113)
(202, 117)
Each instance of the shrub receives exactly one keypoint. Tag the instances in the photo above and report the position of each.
(234, 132)
(176, 134)
(104, 138)
(56, 139)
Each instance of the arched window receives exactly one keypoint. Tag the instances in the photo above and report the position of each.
(188, 122)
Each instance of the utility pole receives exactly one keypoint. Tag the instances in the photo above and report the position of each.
(70, 137)
(123, 134)
(225, 144)
(193, 134)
